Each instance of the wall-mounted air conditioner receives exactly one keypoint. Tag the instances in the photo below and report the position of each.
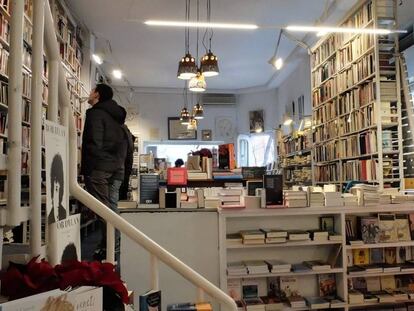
(218, 99)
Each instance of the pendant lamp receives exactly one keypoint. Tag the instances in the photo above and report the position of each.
(209, 65)
(198, 111)
(192, 125)
(197, 84)
(184, 116)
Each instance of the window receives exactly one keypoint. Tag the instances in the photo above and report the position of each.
(255, 150)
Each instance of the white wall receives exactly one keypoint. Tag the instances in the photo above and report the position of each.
(155, 108)
(298, 83)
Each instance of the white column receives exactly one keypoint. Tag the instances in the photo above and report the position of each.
(15, 114)
(154, 273)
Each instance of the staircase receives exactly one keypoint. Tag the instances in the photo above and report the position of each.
(14, 214)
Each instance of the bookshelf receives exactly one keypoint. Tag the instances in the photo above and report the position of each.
(71, 52)
(355, 104)
(296, 252)
(294, 157)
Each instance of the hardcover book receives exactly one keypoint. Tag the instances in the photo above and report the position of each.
(376, 255)
(369, 229)
(361, 256)
(403, 227)
(403, 254)
(289, 286)
(273, 185)
(390, 255)
(150, 301)
(388, 232)
(327, 285)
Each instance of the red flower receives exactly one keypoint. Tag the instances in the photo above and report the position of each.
(36, 277)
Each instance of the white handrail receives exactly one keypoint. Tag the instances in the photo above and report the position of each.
(15, 115)
(36, 129)
(110, 216)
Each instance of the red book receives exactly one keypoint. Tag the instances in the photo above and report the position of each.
(364, 170)
(177, 176)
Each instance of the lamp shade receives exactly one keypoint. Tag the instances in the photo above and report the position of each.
(184, 116)
(197, 84)
(209, 65)
(198, 111)
(187, 68)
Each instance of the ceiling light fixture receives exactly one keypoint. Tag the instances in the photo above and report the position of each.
(187, 67)
(198, 83)
(117, 74)
(198, 111)
(287, 120)
(275, 61)
(209, 62)
(192, 125)
(97, 59)
(189, 24)
(184, 116)
(324, 30)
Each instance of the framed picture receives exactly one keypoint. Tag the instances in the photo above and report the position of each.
(178, 131)
(206, 135)
(327, 223)
(256, 121)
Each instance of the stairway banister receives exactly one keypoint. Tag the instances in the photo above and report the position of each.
(106, 213)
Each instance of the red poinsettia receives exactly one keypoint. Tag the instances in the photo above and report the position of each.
(36, 277)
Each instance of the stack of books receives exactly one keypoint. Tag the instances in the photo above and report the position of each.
(234, 239)
(236, 269)
(256, 267)
(196, 175)
(367, 194)
(273, 236)
(402, 198)
(278, 266)
(316, 199)
(230, 197)
(8, 236)
(297, 302)
(254, 304)
(298, 235)
(319, 235)
(349, 199)
(253, 237)
(317, 265)
(317, 303)
(333, 199)
(385, 199)
(295, 198)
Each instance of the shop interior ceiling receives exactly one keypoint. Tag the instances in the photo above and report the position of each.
(148, 56)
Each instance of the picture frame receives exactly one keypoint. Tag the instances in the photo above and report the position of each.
(327, 223)
(206, 135)
(256, 121)
(178, 131)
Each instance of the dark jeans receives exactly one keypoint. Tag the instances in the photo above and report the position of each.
(104, 186)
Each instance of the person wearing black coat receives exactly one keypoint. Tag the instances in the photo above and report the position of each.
(104, 149)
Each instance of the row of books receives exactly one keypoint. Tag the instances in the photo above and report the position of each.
(324, 92)
(324, 72)
(294, 143)
(299, 176)
(296, 160)
(4, 62)
(357, 72)
(327, 173)
(382, 296)
(27, 84)
(284, 292)
(382, 228)
(4, 29)
(352, 51)
(26, 110)
(325, 50)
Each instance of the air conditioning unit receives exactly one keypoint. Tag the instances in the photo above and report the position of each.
(218, 99)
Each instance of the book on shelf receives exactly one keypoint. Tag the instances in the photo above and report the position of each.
(317, 303)
(387, 228)
(273, 185)
(361, 256)
(256, 267)
(318, 235)
(252, 234)
(236, 268)
(254, 304)
(234, 239)
(388, 282)
(403, 254)
(294, 198)
(150, 301)
(317, 265)
(289, 286)
(275, 233)
(234, 289)
(300, 268)
(297, 302)
(278, 266)
(272, 303)
(327, 285)
(298, 235)
(376, 255)
(368, 229)
(402, 225)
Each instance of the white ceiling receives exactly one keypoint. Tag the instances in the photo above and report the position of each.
(149, 55)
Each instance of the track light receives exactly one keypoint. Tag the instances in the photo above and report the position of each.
(97, 59)
(276, 62)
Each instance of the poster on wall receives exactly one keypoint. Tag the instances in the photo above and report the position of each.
(256, 121)
(225, 128)
(63, 230)
(178, 131)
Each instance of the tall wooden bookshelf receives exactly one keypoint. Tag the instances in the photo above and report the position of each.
(355, 104)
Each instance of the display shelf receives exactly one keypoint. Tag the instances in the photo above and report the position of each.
(372, 304)
(266, 275)
(381, 245)
(286, 244)
(367, 275)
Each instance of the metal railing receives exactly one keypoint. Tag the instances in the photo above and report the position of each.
(59, 98)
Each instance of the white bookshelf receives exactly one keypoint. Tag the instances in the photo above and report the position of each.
(298, 251)
(338, 119)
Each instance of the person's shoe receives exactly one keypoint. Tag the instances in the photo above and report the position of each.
(99, 254)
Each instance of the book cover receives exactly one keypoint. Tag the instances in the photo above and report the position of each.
(369, 229)
(390, 255)
(289, 286)
(388, 282)
(388, 232)
(403, 254)
(273, 287)
(411, 219)
(361, 256)
(373, 284)
(403, 227)
(376, 255)
(327, 284)
(150, 301)
(273, 185)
